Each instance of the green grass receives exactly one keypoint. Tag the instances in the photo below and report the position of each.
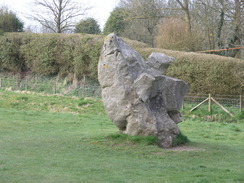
(72, 142)
(49, 103)
(181, 139)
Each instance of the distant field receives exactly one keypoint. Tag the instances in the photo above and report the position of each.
(55, 139)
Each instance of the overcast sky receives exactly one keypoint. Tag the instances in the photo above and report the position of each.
(100, 11)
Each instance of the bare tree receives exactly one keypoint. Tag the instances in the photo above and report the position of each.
(237, 22)
(206, 25)
(209, 15)
(221, 23)
(57, 15)
(141, 17)
(185, 8)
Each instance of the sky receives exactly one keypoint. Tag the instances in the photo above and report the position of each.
(100, 9)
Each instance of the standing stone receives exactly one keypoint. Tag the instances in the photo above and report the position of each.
(137, 97)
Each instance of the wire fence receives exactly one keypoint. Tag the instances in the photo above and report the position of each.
(92, 89)
(227, 100)
(51, 86)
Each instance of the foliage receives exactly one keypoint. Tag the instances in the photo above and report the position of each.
(115, 22)
(39, 55)
(141, 18)
(88, 26)
(1, 32)
(211, 24)
(71, 54)
(173, 35)
(11, 59)
(9, 22)
(51, 54)
(204, 73)
(82, 145)
(84, 102)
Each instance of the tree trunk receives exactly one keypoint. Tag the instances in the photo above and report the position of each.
(59, 17)
(185, 8)
(220, 24)
(236, 40)
(187, 16)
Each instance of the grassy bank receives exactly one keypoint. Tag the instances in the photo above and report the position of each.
(65, 139)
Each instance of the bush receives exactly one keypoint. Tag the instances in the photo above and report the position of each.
(50, 54)
(62, 54)
(173, 34)
(203, 72)
(88, 26)
(9, 22)
(11, 59)
(40, 54)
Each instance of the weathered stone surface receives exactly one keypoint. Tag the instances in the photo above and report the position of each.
(137, 97)
(159, 61)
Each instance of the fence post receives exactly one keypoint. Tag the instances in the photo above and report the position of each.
(240, 103)
(209, 103)
(182, 107)
(222, 107)
(0, 82)
(26, 84)
(55, 87)
(84, 91)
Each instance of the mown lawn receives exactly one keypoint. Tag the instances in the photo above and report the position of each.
(62, 139)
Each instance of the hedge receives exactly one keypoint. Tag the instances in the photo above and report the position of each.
(78, 54)
(205, 73)
(50, 54)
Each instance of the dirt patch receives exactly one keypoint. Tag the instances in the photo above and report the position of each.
(159, 153)
(185, 148)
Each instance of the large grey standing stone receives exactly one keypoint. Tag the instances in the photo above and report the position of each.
(137, 97)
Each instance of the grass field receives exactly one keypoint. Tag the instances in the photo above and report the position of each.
(55, 139)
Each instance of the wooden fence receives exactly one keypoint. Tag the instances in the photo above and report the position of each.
(231, 100)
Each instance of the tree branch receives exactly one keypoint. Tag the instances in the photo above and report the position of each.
(56, 14)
